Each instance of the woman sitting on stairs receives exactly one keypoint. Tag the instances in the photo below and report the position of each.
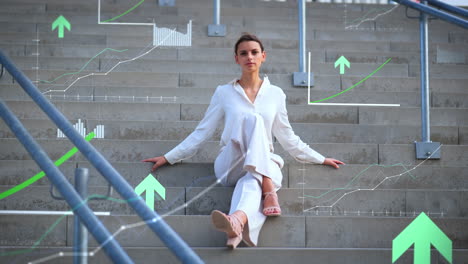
(252, 109)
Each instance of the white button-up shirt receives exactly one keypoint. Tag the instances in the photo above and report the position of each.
(231, 103)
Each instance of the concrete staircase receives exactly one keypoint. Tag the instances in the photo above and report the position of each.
(149, 105)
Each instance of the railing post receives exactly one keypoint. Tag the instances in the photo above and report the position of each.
(426, 147)
(80, 234)
(300, 78)
(216, 29)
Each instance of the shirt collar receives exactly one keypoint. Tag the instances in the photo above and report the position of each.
(239, 89)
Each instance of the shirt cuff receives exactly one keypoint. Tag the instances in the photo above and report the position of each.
(171, 157)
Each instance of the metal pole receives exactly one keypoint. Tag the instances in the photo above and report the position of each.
(80, 234)
(216, 29)
(170, 238)
(426, 149)
(300, 78)
(302, 35)
(425, 111)
(103, 237)
(216, 12)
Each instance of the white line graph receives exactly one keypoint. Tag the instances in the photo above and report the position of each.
(370, 189)
(109, 71)
(367, 19)
(134, 225)
(177, 39)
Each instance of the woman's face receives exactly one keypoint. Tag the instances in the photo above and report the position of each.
(250, 56)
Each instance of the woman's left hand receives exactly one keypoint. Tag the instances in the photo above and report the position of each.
(332, 162)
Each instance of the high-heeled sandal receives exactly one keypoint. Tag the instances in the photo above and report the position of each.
(231, 224)
(274, 210)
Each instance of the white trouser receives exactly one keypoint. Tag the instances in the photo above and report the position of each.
(242, 162)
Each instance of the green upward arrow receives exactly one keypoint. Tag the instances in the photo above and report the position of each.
(342, 62)
(151, 185)
(61, 22)
(422, 232)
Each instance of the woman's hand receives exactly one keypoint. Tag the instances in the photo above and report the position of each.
(158, 162)
(332, 162)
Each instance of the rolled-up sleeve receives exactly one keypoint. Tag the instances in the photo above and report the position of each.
(202, 133)
(285, 135)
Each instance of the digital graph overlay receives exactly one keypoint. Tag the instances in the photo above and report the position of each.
(41, 174)
(319, 102)
(79, 126)
(369, 16)
(121, 229)
(159, 34)
(82, 68)
(107, 72)
(161, 37)
(334, 200)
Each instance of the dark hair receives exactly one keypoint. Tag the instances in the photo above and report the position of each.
(247, 37)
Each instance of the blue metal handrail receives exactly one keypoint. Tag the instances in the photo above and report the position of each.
(168, 236)
(435, 12)
(450, 8)
(426, 148)
(102, 235)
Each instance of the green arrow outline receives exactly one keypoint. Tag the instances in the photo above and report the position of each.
(41, 174)
(61, 22)
(422, 232)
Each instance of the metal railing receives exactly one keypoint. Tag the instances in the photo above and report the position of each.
(111, 247)
(426, 148)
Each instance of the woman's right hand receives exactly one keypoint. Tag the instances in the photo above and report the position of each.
(158, 162)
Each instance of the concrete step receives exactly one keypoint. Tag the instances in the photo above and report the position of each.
(331, 82)
(38, 198)
(439, 70)
(406, 116)
(441, 55)
(318, 46)
(227, 54)
(235, 25)
(393, 154)
(181, 175)
(260, 8)
(194, 112)
(404, 84)
(350, 200)
(174, 112)
(290, 231)
(179, 130)
(214, 255)
(185, 95)
(296, 176)
(223, 67)
(61, 80)
(137, 150)
(463, 133)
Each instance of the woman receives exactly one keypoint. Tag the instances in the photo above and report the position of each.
(252, 110)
